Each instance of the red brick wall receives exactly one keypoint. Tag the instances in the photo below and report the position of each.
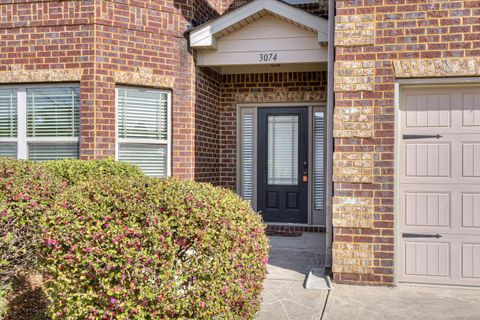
(400, 32)
(147, 35)
(207, 125)
(50, 35)
(102, 38)
(260, 88)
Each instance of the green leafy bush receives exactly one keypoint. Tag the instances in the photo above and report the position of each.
(27, 190)
(78, 171)
(145, 248)
(26, 193)
(4, 290)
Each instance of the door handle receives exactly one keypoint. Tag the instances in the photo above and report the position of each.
(419, 235)
(420, 136)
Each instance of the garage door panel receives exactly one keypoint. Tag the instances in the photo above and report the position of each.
(471, 260)
(471, 159)
(471, 210)
(427, 259)
(427, 209)
(471, 109)
(439, 186)
(427, 159)
(428, 110)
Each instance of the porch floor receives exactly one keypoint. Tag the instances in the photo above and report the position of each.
(291, 258)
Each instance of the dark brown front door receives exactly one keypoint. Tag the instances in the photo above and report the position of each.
(283, 164)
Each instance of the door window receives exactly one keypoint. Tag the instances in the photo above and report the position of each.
(282, 150)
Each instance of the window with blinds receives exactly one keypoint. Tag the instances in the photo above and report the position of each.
(282, 160)
(53, 112)
(40, 122)
(52, 151)
(143, 129)
(8, 123)
(247, 178)
(319, 161)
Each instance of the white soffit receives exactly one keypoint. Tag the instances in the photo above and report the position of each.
(206, 36)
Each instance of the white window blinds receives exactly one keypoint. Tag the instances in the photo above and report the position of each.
(247, 155)
(143, 129)
(40, 122)
(53, 112)
(151, 158)
(8, 113)
(282, 150)
(319, 161)
(52, 151)
(8, 123)
(8, 149)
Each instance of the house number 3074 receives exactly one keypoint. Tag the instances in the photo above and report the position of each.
(267, 57)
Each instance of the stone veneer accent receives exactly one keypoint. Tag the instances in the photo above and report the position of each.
(355, 30)
(281, 95)
(352, 122)
(353, 212)
(353, 167)
(352, 258)
(17, 74)
(354, 76)
(442, 67)
(144, 77)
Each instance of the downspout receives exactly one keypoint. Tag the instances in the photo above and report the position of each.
(330, 140)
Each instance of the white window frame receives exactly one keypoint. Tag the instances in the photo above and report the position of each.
(167, 142)
(22, 140)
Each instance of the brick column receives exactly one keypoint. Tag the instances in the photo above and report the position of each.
(363, 234)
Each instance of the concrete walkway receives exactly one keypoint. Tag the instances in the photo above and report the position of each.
(402, 302)
(284, 296)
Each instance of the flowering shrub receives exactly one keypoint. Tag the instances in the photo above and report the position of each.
(3, 300)
(78, 171)
(145, 248)
(26, 193)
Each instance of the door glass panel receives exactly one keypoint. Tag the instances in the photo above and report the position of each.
(283, 150)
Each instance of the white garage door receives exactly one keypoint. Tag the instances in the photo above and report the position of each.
(440, 185)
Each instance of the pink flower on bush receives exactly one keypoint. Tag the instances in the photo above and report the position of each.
(51, 242)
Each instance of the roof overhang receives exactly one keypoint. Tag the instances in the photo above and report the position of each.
(206, 36)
